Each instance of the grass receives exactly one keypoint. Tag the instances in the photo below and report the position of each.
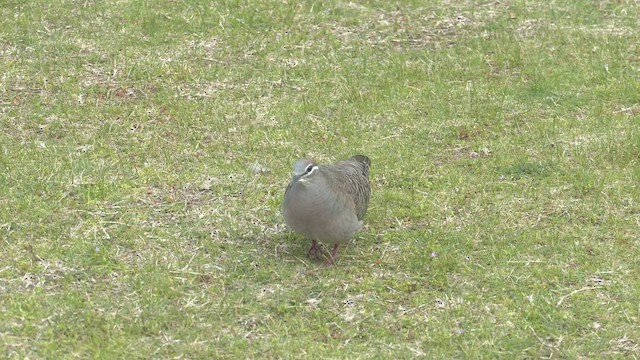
(145, 148)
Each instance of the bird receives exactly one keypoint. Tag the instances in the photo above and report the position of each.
(327, 203)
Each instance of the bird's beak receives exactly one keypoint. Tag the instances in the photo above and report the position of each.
(295, 178)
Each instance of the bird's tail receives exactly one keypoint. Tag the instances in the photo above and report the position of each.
(362, 159)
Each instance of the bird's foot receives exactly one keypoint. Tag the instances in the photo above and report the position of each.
(331, 259)
(314, 249)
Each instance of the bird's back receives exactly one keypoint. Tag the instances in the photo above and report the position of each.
(351, 179)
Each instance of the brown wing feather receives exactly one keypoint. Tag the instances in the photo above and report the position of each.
(352, 176)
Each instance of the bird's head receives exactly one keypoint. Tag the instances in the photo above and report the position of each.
(304, 170)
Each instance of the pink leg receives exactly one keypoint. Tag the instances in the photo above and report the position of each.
(334, 252)
(314, 249)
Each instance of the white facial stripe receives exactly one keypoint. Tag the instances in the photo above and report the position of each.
(312, 170)
(304, 176)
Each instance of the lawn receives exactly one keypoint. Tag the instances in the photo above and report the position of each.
(145, 147)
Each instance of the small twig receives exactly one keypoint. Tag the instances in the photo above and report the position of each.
(573, 293)
(302, 261)
(189, 263)
(385, 250)
(629, 109)
(544, 343)
(537, 261)
(390, 136)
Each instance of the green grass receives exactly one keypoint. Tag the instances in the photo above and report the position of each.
(505, 147)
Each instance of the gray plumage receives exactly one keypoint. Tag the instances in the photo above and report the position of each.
(327, 203)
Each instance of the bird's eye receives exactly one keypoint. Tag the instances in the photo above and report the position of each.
(309, 167)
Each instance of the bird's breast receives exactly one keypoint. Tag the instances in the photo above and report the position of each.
(319, 215)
